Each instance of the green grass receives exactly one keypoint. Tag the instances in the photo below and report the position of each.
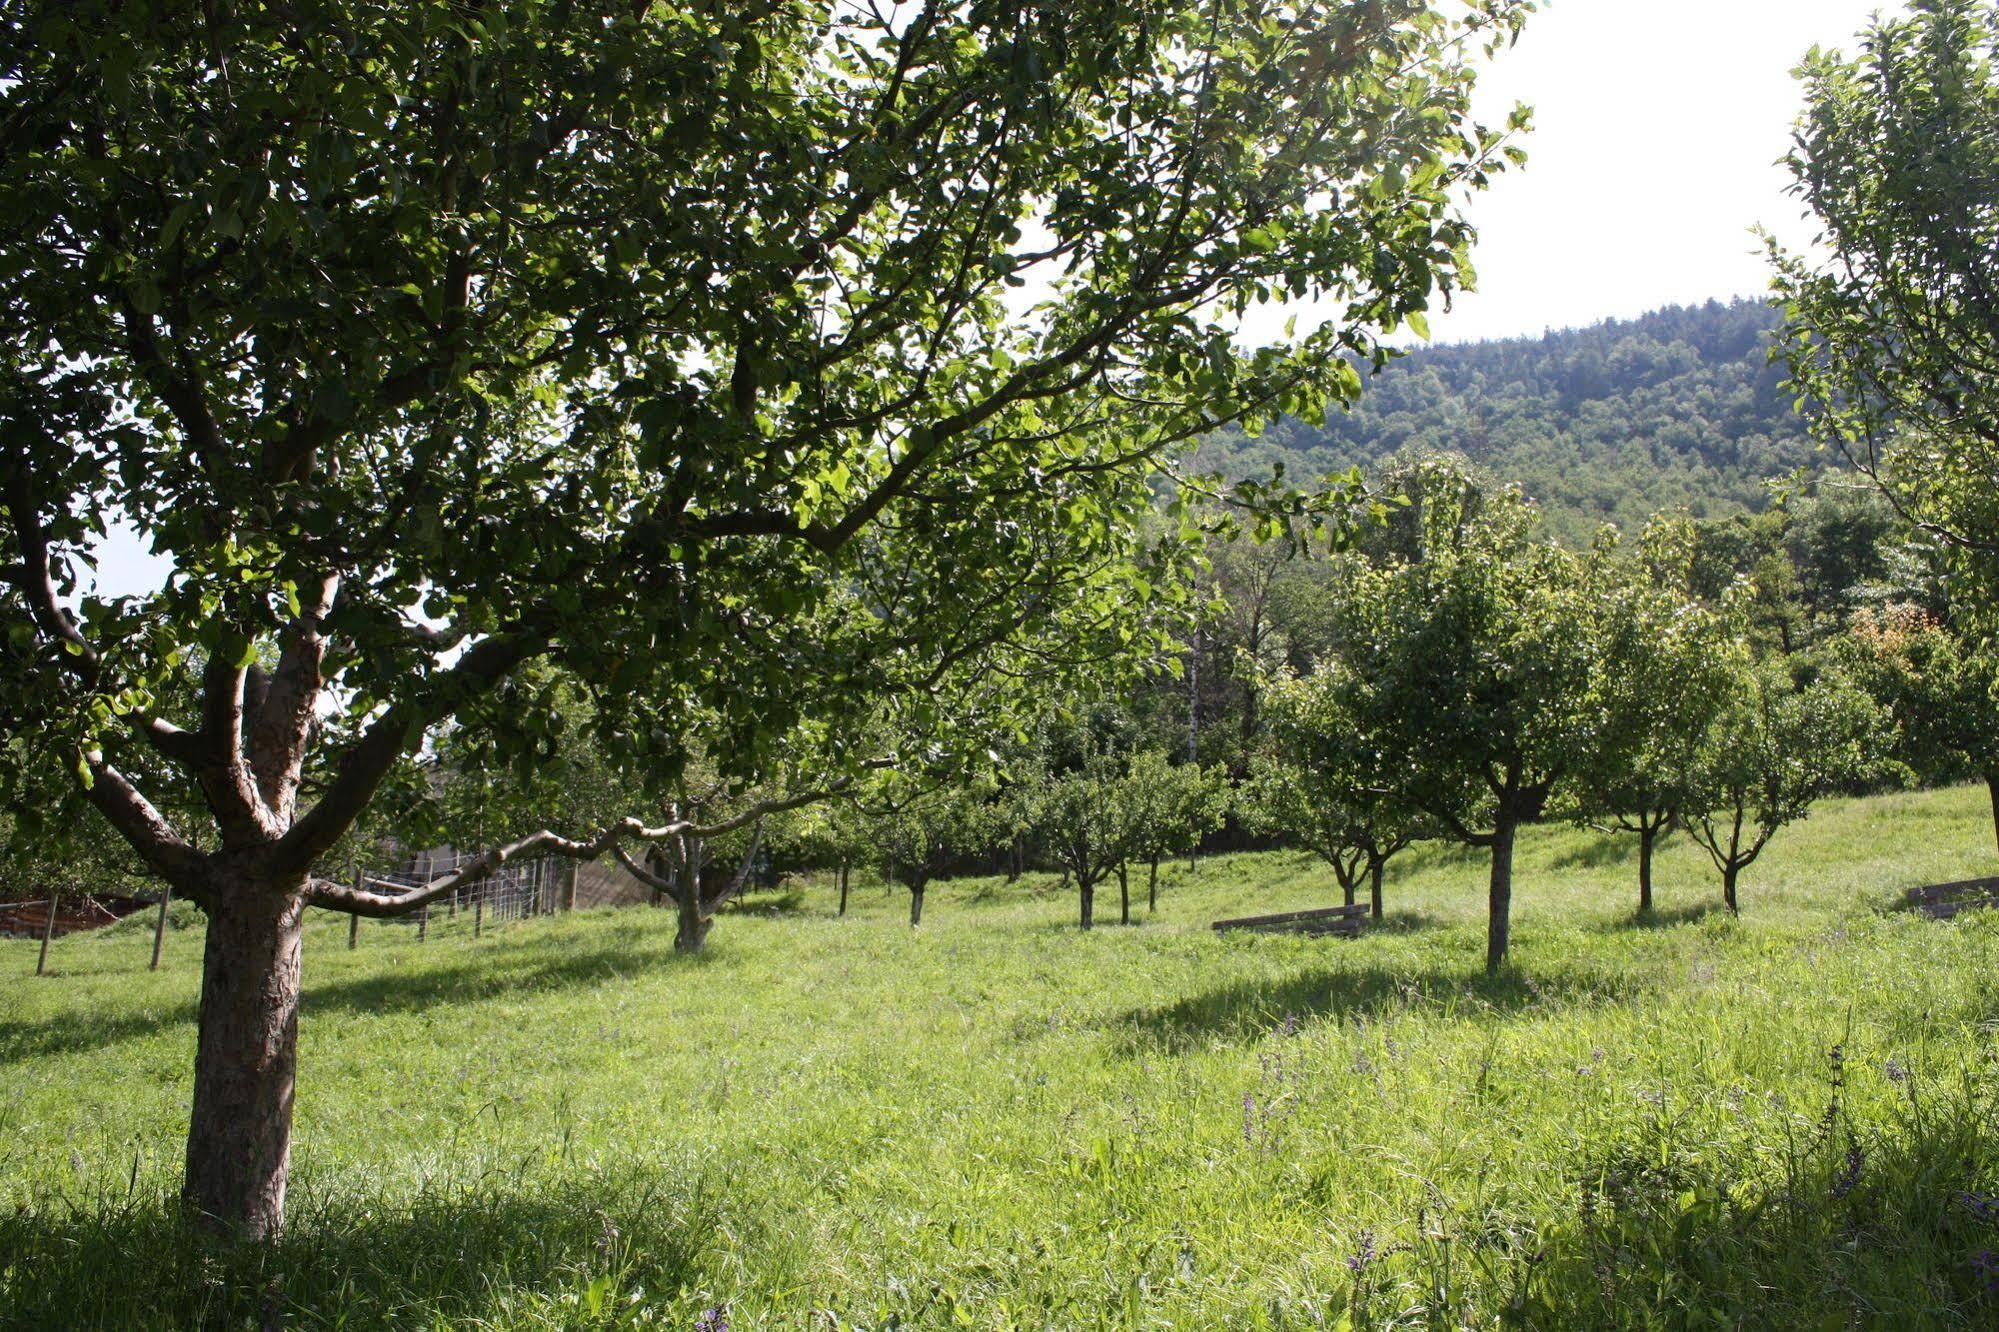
(996, 1121)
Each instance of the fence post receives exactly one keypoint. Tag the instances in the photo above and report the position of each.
(354, 918)
(569, 868)
(478, 912)
(160, 926)
(48, 930)
(422, 921)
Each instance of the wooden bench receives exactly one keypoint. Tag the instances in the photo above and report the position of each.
(1941, 901)
(1345, 921)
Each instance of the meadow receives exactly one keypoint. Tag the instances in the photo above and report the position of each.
(1788, 1120)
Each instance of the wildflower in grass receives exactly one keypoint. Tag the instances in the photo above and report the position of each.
(1982, 1206)
(1289, 1027)
(1986, 1264)
(1362, 1257)
(1849, 1177)
(715, 1319)
(1896, 1073)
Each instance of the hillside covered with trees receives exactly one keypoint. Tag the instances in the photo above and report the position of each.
(1680, 408)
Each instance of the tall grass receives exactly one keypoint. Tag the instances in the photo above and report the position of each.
(1787, 1120)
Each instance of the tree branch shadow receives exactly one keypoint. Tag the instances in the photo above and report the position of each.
(1247, 1010)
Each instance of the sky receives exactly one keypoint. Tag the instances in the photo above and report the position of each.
(1657, 128)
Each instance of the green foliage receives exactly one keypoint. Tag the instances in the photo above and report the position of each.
(995, 1121)
(1776, 747)
(1677, 409)
(1893, 330)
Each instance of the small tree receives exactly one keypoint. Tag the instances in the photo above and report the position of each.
(1319, 777)
(1667, 665)
(1939, 689)
(1774, 749)
(1088, 819)
(1176, 806)
(918, 839)
(1481, 656)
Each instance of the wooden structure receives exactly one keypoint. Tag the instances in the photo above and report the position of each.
(75, 912)
(1345, 921)
(1941, 901)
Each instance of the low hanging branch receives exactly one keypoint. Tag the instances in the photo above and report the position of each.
(361, 902)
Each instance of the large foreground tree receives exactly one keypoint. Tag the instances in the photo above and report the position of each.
(742, 361)
(1893, 335)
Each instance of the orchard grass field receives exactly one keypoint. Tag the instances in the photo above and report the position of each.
(995, 1121)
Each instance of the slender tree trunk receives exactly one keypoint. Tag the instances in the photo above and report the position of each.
(1499, 905)
(1729, 874)
(569, 873)
(1348, 883)
(1375, 866)
(239, 1133)
(48, 931)
(160, 928)
(1992, 785)
(1089, 896)
(1647, 835)
(843, 888)
(1152, 887)
(1123, 893)
(915, 907)
(1016, 858)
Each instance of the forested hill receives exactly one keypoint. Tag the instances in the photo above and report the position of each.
(1679, 408)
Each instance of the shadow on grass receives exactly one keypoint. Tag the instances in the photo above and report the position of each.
(567, 1252)
(1247, 1009)
(480, 975)
(1655, 919)
(1598, 853)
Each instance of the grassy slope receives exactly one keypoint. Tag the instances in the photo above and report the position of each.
(996, 1121)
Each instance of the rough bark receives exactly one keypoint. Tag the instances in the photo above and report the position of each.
(1499, 905)
(1152, 887)
(1123, 894)
(239, 1134)
(1375, 866)
(1089, 906)
(843, 888)
(1729, 874)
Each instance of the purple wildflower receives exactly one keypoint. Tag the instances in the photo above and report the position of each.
(1896, 1073)
(1849, 1178)
(715, 1319)
(1362, 1257)
(1982, 1206)
(1986, 1264)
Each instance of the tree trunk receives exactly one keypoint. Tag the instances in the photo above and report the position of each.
(569, 873)
(1992, 785)
(1348, 883)
(48, 932)
(239, 1133)
(915, 907)
(1089, 896)
(160, 928)
(1375, 865)
(1729, 874)
(1499, 905)
(1123, 894)
(1647, 835)
(1152, 887)
(692, 931)
(843, 888)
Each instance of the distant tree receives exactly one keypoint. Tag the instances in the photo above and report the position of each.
(918, 838)
(1940, 691)
(1775, 748)
(1088, 819)
(1321, 776)
(1667, 664)
(1175, 806)
(1893, 336)
(1484, 658)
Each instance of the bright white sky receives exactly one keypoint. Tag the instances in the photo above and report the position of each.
(1657, 126)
